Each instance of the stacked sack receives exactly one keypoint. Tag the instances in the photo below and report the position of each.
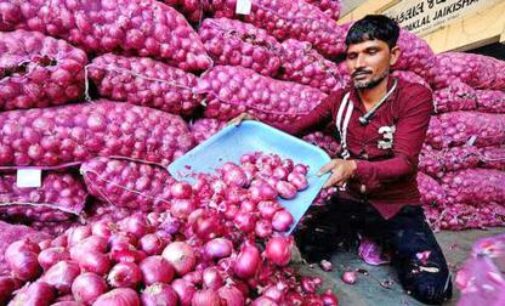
(465, 147)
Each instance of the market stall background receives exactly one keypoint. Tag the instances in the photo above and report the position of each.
(99, 95)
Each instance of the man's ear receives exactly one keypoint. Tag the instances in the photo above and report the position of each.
(395, 55)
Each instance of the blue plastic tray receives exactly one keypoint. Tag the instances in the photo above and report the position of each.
(232, 142)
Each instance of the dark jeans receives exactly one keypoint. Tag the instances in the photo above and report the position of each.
(405, 235)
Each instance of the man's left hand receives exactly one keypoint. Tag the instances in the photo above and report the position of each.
(341, 171)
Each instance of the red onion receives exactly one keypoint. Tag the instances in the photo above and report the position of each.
(95, 262)
(67, 303)
(247, 206)
(90, 244)
(159, 295)
(245, 222)
(124, 275)
(206, 297)
(127, 255)
(267, 209)
(294, 298)
(181, 256)
(286, 190)
(264, 301)
(103, 228)
(181, 208)
(185, 291)
(7, 287)
(181, 190)
(212, 278)
(298, 180)
(282, 220)
(218, 248)
(262, 191)
(247, 262)
(62, 275)
(194, 277)
(231, 296)
(152, 244)
(24, 265)
(278, 250)
(87, 287)
(309, 284)
(136, 225)
(326, 265)
(349, 277)
(76, 234)
(50, 256)
(156, 269)
(122, 241)
(118, 297)
(329, 298)
(208, 227)
(234, 175)
(263, 229)
(38, 293)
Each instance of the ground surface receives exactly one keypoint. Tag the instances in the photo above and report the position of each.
(367, 291)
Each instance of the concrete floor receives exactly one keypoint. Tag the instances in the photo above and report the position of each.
(367, 291)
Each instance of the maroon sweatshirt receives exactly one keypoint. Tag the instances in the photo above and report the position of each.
(386, 149)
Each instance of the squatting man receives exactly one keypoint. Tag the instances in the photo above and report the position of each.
(381, 123)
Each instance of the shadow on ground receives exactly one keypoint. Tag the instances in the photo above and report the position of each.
(368, 290)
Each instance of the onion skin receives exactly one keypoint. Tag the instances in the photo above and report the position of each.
(159, 295)
(185, 291)
(247, 262)
(118, 297)
(181, 256)
(125, 275)
(152, 244)
(218, 248)
(87, 287)
(36, 294)
(156, 269)
(62, 275)
(50, 256)
(278, 250)
(7, 287)
(264, 301)
(206, 297)
(282, 220)
(349, 277)
(231, 296)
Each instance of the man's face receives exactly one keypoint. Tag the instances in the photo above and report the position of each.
(369, 62)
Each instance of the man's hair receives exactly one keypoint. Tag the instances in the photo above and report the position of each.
(372, 27)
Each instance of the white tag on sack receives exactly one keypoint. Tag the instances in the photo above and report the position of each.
(243, 7)
(29, 178)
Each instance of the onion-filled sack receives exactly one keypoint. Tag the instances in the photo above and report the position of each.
(456, 217)
(98, 210)
(491, 101)
(459, 128)
(475, 186)
(478, 71)
(481, 278)
(492, 158)
(128, 183)
(285, 19)
(60, 136)
(55, 228)
(410, 77)
(13, 232)
(457, 96)
(329, 7)
(416, 55)
(192, 9)
(437, 162)
(325, 141)
(202, 129)
(145, 82)
(38, 71)
(304, 65)
(60, 197)
(136, 27)
(232, 90)
(232, 42)
(431, 191)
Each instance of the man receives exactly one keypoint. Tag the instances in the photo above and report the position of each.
(382, 125)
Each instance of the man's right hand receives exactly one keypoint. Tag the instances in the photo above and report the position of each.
(238, 120)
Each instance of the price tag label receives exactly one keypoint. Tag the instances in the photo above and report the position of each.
(29, 178)
(243, 7)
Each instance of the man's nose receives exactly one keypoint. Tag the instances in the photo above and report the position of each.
(360, 61)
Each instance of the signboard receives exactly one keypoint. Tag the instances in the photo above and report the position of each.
(425, 16)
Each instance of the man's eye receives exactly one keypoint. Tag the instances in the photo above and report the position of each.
(351, 56)
(373, 51)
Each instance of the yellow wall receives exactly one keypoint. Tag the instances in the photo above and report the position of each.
(481, 28)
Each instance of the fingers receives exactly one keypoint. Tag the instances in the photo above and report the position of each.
(237, 120)
(326, 168)
(332, 180)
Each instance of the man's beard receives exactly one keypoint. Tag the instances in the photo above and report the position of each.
(360, 85)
